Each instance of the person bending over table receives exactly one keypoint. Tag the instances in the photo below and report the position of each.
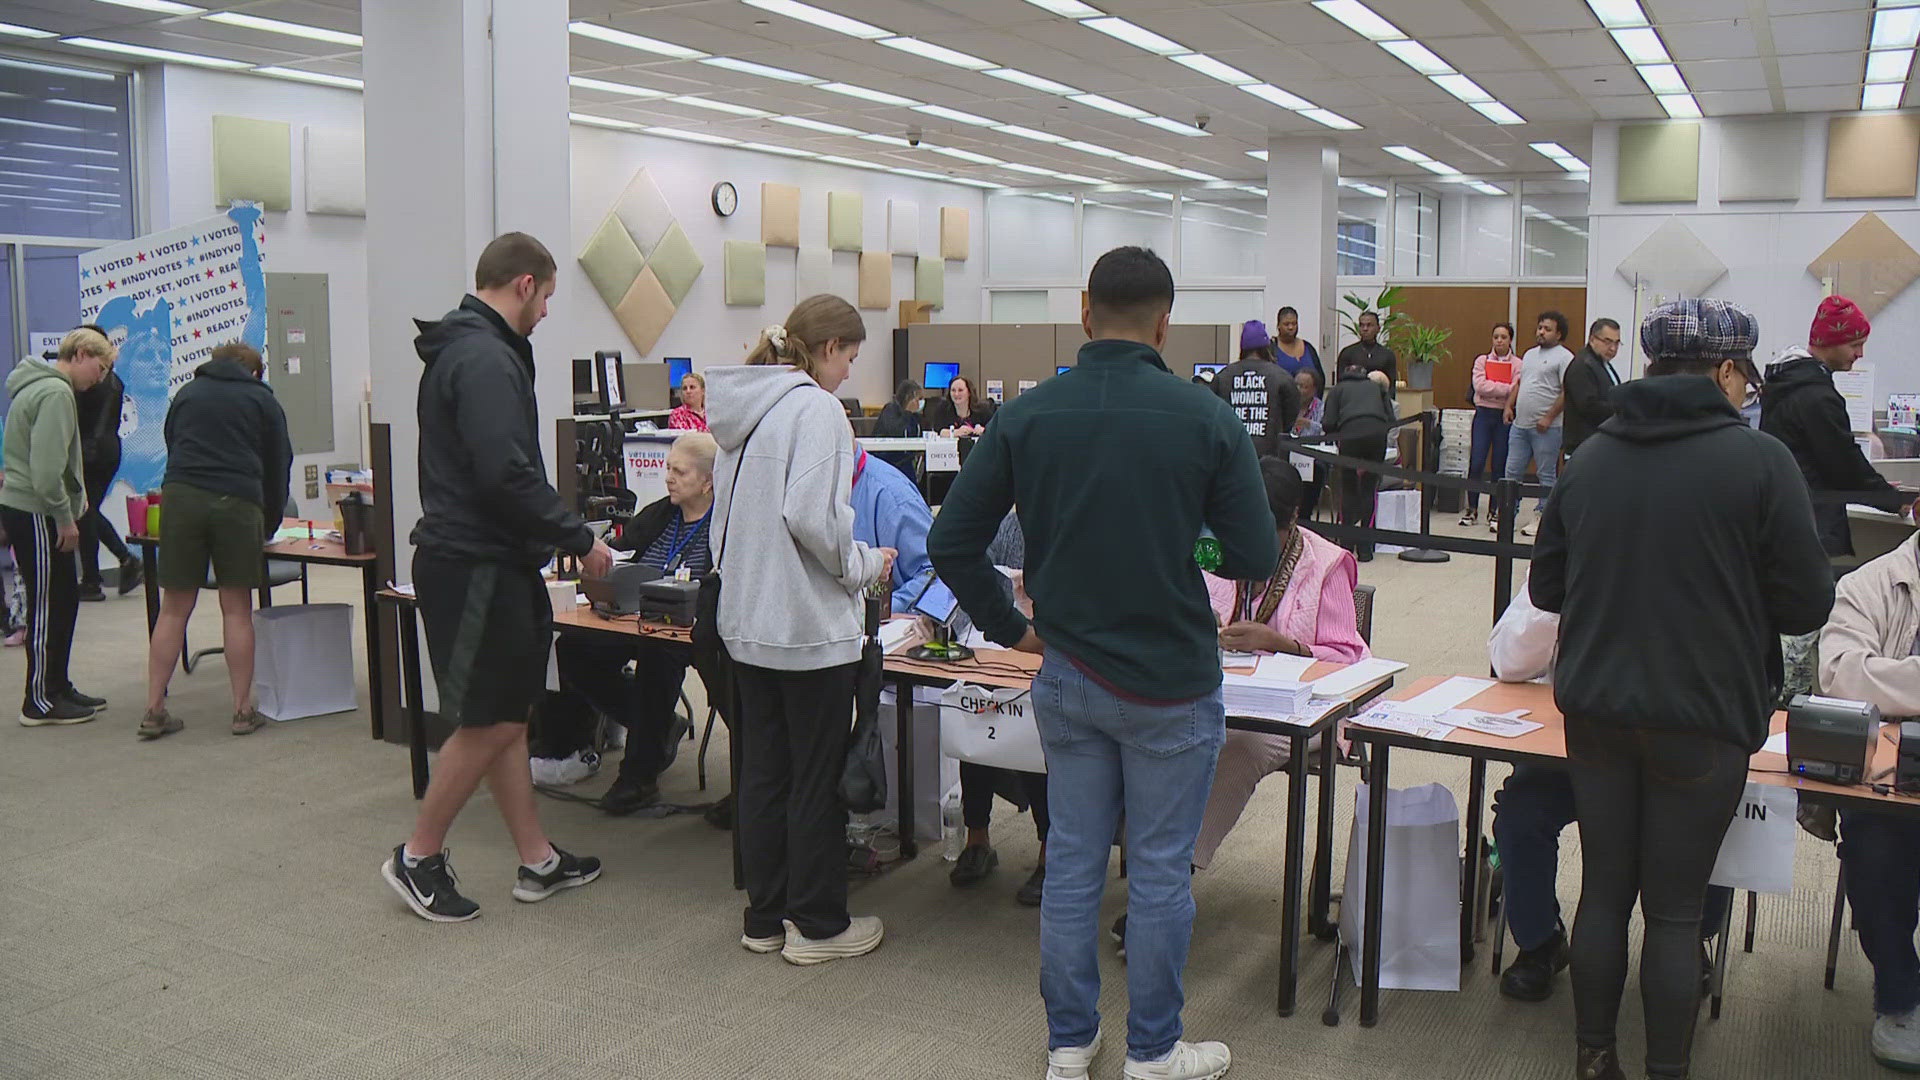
(1676, 547)
(1530, 811)
(1870, 651)
(669, 535)
(1357, 416)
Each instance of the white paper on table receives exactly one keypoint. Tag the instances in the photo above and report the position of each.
(1388, 717)
(624, 556)
(1354, 676)
(895, 633)
(1238, 659)
(1777, 744)
(403, 590)
(1856, 387)
(943, 454)
(1506, 727)
(1448, 695)
(1282, 667)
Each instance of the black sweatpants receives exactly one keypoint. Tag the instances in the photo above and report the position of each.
(1653, 807)
(1358, 489)
(980, 783)
(95, 529)
(53, 604)
(793, 728)
(591, 670)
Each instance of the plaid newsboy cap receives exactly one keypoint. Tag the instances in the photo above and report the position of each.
(1699, 329)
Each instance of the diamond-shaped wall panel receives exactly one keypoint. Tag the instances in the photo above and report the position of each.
(641, 262)
(1870, 264)
(612, 261)
(1673, 260)
(676, 264)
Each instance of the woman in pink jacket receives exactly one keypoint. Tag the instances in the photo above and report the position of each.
(1490, 394)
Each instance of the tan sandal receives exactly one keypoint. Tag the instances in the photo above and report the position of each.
(248, 722)
(156, 724)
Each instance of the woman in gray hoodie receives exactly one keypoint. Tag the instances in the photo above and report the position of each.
(791, 618)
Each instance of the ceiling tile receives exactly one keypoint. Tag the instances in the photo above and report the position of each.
(1575, 48)
(1823, 98)
(1734, 102)
(1607, 80)
(1820, 69)
(1725, 75)
(1532, 16)
(1430, 18)
(1711, 41)
(1835, 32)
(1666, 13)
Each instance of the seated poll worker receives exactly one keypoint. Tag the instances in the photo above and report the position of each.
(670, 534)
(889, 511)
(1870, 651)
(1530, 811)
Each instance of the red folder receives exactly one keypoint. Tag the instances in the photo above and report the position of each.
(1500, 371)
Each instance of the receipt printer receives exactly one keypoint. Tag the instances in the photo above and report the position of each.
(1830, 739)
(669, 600)
(1906, 770)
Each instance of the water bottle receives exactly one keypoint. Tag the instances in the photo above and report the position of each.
(953, 827)
(1206, 552)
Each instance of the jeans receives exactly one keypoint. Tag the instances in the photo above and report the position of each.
(1881, 856)
(1107, 755)
(1528, 444)
(1489, 438)
(793, 728)
(1653, 805)
(980, 783)
(1529, 812)
(590, 668)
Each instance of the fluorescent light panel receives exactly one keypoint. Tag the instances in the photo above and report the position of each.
(602, 121)
(1076, 178)
(1022, 167)
(1214, 69)
(718, 106)
(1882, 95)
(164, 7)
(1360, 19)
(1618, 13)
(1029, 133)
(1072, 9)
(769, 148)
(854, 163)
(880, 96)
(1895, 28)
(16, 30)
(1329, 118)
(886, 140)
(1642, 45)
(692, 136)
(1462, 87)
(290, 29)
(1175, 126)
(1665, 78)
(1091, 148)
(1889, 66)
(1031, 81)
(1194, 174)
(1277, 96)
(1418, 57)
(1680, 106)
(1406, 153)
(146, 53)
(940, 53)
(966, 155)
(815, 125)
(1107, 104)
(1485, 188)
(765, 71)
(825, 20)
(956, 115)
(1258, 155)
(1135, 35)
(1439, 167)
(1498, 113)
(633, 41)
(315, 77)
(628, 89)
(1146, 163)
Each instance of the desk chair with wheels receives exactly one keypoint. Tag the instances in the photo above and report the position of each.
(278, 572)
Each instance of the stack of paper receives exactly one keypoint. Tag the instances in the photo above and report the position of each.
(1251, 695)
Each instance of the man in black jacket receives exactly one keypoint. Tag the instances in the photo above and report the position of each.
(1369, 354)
(99, 415)
(1589, 381)
(1800, 406)
(489, 521)
(225, 492)
(1677, 548)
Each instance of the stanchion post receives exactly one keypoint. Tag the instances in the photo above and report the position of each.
(1425, 554)
(1506, 500)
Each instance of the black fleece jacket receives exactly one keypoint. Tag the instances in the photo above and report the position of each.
(1677, 547)
(227, 434)
(1800, 406)
(1589, 386)
(484, 494)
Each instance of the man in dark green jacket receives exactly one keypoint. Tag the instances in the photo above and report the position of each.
(1117, 466)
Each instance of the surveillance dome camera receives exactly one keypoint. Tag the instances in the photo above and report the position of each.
(1202, 121)
(913, 136)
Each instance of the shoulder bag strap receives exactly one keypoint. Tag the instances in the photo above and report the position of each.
(738, 467)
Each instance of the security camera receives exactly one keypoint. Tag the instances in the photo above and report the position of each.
(913, 136)
(1202, 121)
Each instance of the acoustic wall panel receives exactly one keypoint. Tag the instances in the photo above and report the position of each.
(876, 280)
(903, 227)
(1659, 162)
(845, 228)
(779, 215)
(336, 172)
(955, 237)
(1759, 158)
(252, 162)
(1875, 156)
(930, 280)
(1870, 264)
(745, 273)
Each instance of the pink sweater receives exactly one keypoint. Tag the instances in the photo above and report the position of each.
(1322, 590)
(1487, 393)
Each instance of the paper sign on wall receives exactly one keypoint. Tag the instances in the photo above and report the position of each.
(647, 461)
(1027, 384)
(42, 342)
(296, 337)
(1856, 387)
(997, 389)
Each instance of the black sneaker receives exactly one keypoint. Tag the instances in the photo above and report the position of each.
(622, 799)
(90, 591)
(720, 814)
(130, 574)
(85, 701)
(573, 871)
(1597, 1064)
(428, 887)
(63, 712)
(976, 861)
(1530, 976)
(1030, 894)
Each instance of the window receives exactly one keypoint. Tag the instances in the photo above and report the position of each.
(66, 152)
(1453, 230)
(1111, 219)
(1223, 233)
(1357, 244)
(1553, 228)
(1030, 236)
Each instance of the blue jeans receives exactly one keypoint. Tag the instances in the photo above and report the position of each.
(1528, 444)
(1881, 855)
(1489, 440)
(1529, 812)
(1106, 755)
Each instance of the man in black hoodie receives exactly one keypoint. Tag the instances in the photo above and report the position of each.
(99, 414)
(489, 521)
(1800, 406)
(225, 492)
(1677, 548)
(1589, 381)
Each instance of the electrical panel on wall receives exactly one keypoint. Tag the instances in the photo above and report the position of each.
(300, 358)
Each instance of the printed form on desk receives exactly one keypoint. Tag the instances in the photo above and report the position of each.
(1354, 676)
(1393, 716)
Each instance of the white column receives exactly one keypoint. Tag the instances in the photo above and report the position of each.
(1303, 205)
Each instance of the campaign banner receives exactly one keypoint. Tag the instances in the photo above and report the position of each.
(167, 299)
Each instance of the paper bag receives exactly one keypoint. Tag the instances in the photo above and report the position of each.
(303, 660)
(990, 727)
(1399, 511)
(1757, 854)
(1420, 915)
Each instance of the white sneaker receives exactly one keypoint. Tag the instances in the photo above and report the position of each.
(1072, 1062)
(1896, 1041)
(1188, 1061)
(770, 944)
(861, 937)
(1532, 530)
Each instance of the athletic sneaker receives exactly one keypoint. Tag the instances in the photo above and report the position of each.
(428, 887)
(1188, 1061)
(1072, 1062)
(572, 872)
(861, 937)
(85, 701)
(1896, 1041)
(63, 712)
(770, 944)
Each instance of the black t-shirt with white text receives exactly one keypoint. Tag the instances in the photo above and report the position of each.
(1264, 396)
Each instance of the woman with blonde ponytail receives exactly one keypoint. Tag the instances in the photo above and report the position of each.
(791, 618)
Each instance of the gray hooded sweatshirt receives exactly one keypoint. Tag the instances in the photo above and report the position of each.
(783, 540)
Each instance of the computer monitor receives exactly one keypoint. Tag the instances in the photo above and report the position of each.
(584, 384)
(611, 381)
(1207, 369)
(1063, 369)
(940, 376)
(678, 368)
(936, 602)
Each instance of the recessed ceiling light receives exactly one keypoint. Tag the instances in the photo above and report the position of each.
(692, 136)
(1485, 188)
(633, 41)
(1642, 45)
(1091, 148)
(1175, 126)
(1618, 13)
(1889, 66)
(920, 173)
(815, 125)
(1031, 81)
(1029, 133)
(1329, 118)
(602, 121)
(1573, 165)
(15, 30)
(928, 50)
(1665, 78)
(1258, 155)
(297, 75)
(1498, 113)
(854, 163)
(966, 155)
(1360, 19)
(1214, 69)
(1072, 9)
(1022, 167)
(765, 71)
(1418, 57)
(1107, 104)
(1135, 35)
(1365, 189)
(607, 86)
(1461, 87)
(1895, 28)
(1251, 190)
(146, 53)
(886, 140)
(1882, 95)
(1406, 153)
(862, 92)
(770, 148)
(1194, 174)
(1278, 96)
(1146, 162)
(1076, 178)
(1550, 150)
(956, 115)
(277, 26)
(826, 20)
(971, 182)
(1440, 167)
(1680, 106)
(718, 106)
(164, 7)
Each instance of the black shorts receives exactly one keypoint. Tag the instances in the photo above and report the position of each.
(488, 628)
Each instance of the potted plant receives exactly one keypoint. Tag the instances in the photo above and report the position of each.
(1381, 305)
(1420, 347)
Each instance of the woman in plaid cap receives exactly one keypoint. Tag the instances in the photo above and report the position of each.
(1677, 546)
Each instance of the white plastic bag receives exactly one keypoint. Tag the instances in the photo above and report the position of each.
(1757, 854)
(1397, 510)
(1420, 912)
(303, 660)
(990, 727)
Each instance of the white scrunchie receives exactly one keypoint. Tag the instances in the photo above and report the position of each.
(777, 334)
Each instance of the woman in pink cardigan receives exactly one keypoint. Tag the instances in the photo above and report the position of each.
(1490, 394)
